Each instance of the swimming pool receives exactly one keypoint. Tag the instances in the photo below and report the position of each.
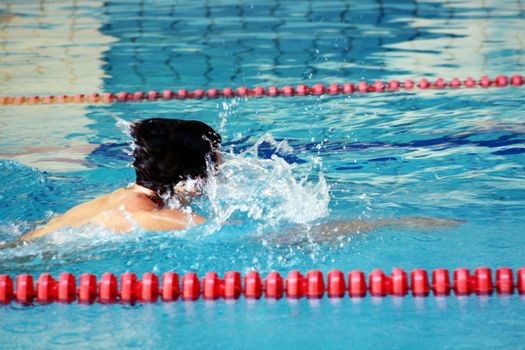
(448, 154)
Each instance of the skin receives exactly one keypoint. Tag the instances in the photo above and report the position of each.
(121, 209)
(332, 231)
(124, 208)
(118, 211)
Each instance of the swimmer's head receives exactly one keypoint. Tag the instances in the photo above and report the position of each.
(170, 153)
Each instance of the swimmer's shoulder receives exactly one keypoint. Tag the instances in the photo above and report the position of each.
(145, 211)
(133, 201)
(122, 198)
(166, 219)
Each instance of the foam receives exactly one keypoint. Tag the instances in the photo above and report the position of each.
(268, 191)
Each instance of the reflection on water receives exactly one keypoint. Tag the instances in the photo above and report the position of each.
(283, 42)
(468, 38)
(50, 138)
(49, 48)
(62, 47)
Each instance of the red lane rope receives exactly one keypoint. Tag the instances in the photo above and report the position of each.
(272, 91)
(313, 285)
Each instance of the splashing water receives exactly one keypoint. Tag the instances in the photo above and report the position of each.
(229, 109)
(262, 193)
(264, 190)
(123, 125)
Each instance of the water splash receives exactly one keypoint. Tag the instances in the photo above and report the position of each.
(229, 110)
(123, 125)
(265, 194)
(266, 191)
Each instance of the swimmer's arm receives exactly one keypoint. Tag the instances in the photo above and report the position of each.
(11, 244)
(336, 228)
(52, 226)
(166, 219)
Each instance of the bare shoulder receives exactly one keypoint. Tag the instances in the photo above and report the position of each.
(107, 211)
(134, 201)
(84, 213)
(166, 219)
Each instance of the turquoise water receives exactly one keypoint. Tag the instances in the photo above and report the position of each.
(290, 164)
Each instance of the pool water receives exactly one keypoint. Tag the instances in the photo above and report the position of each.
(291, 164)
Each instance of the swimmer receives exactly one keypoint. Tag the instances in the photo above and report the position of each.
(171, 160)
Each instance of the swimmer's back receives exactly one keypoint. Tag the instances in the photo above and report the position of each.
(120, 211)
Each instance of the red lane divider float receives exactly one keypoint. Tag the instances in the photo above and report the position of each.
(272, 91)
(313, 285)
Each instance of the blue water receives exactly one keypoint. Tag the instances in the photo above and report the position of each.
(447, 154)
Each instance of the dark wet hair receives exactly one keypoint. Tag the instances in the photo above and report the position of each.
(168, 151)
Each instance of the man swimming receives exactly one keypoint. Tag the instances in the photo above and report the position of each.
(172, 159)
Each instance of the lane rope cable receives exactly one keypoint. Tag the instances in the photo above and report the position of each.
(361, 87)
(313, 285)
